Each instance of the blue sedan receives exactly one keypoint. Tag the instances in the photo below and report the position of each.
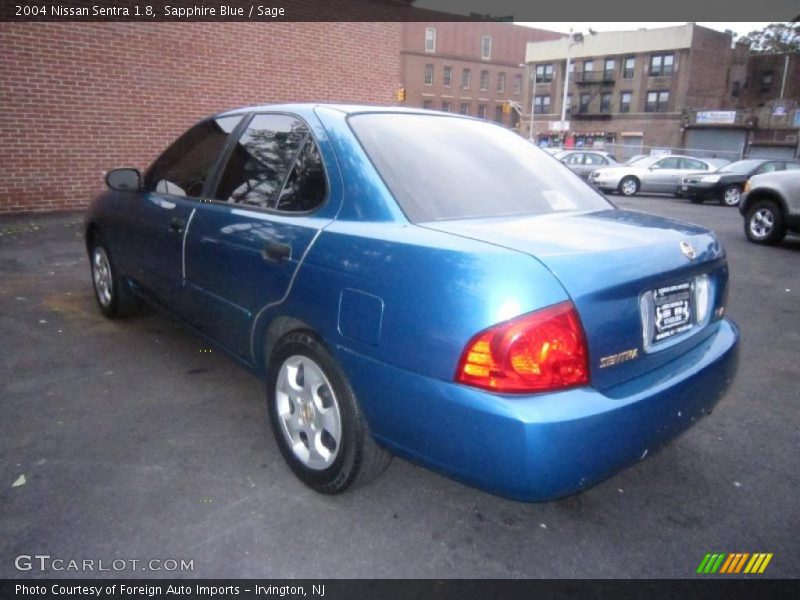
(424, 285)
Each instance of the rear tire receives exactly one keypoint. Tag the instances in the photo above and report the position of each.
(764, 223)
(113, 294)
(628, 186)
(316, 419)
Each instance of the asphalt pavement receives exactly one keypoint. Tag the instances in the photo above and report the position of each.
(130, 440)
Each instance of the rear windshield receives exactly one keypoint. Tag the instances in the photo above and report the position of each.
(741, 167)
(440, 167)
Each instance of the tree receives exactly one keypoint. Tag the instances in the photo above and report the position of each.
(775, 38)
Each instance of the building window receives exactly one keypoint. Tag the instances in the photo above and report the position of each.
(630, 63)
(482, 111)
(430, 39)
(605, 102)
(625, 102)
(569, 104)
(584, 105)
(466, 77)
(447, 79)
(588, 66)
(464, 109)
(501, 82)
(608, 69)
(427, 104)
(446, 105)
(517, 84)
(486, 47)
(661, 65)
(484, 80)
(541, 105)
(544, 73)
(766, 81)
(428, 74)
(498, 113)
(656, 101)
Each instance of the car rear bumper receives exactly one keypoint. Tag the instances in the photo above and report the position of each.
(541, 447)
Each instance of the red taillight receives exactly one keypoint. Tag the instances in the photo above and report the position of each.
(541, 351)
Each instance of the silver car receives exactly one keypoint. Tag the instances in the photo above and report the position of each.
(651, 174)
(771, 206)
(584, 162)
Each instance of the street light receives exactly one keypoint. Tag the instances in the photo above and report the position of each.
(574, 40)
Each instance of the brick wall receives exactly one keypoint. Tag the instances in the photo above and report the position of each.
(79, 99)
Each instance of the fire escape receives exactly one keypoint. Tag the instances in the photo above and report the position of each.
(592, 83)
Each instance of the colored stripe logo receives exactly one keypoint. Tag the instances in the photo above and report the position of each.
(737, 562)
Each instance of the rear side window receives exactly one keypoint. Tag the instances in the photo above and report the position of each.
(275, 164)
(440, 167)
(186, 165)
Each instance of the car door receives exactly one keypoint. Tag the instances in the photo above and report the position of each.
(244, 246)
(664, 175)
(591, 162)
(172, 187)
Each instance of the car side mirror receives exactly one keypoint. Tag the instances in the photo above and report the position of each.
(124, 180)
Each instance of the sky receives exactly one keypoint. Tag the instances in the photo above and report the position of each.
(738, 28)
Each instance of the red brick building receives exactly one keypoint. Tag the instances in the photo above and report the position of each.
(469, 68)
(78, 99)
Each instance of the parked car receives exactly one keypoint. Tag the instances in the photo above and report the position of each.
(771, 206)
(650, 174)
(422, 284)
(727, 183)
(583, 162)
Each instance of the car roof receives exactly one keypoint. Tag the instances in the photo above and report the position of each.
(344, 108)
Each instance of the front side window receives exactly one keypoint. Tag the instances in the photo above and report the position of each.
(447, 78)
(668, 163)
(481, 170)
(486, 47)
(661, 65)
(275, 165)
(595, 159)
(484, 81)
(430, 39)
(182, 170)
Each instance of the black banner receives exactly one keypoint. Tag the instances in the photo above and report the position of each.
(448, 589)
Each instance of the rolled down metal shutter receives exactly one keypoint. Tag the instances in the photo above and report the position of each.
(756, 151)
(715, 143)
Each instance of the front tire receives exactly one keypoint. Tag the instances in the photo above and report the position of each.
(764, 223)
(114, 297)
(628, 186)
(316, 420)
(731, 196)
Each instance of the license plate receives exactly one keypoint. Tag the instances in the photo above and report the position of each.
(673, 312)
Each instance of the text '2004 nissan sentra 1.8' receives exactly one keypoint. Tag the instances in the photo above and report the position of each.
(426, 285)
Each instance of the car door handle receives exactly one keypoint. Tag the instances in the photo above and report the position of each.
(277, 252)
(177, 225)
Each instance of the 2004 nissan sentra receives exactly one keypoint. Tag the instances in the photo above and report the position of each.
(426, 285)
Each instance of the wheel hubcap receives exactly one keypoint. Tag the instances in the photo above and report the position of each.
(732, 196)
(101, 271)
(762, 223)
(629, 187)
(308, 412)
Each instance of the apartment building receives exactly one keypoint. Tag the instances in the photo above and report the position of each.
(635, 89)
(471, 68)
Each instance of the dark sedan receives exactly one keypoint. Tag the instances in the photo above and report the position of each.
(727, 183)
